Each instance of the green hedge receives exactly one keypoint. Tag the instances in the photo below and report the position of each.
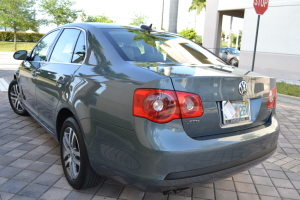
(21, 37)
(188, 33)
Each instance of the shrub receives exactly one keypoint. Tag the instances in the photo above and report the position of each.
(198, 39)
(188, 33)
(6, 35)
(21, 37)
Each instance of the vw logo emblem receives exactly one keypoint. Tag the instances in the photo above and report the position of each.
(242, 87)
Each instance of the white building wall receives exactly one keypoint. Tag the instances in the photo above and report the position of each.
(278, 51)
(279, 30)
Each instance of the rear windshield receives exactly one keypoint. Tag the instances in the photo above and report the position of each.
(139, 45)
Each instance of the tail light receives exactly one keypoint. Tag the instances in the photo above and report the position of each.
(190, 105)
(272, 98)
(164, 105)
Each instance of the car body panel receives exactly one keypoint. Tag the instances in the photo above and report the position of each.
(139, 152)
(49, 91)
(27, 82)
(153, 151)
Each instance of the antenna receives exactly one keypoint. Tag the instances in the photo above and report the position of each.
(148, 28)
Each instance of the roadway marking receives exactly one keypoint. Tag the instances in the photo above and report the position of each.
(3, 85)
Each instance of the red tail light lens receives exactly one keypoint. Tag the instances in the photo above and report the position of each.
(164, 105)
(272, 98)
(190, 105)
(156, 105)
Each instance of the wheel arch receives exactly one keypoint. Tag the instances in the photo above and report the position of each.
(62, 115)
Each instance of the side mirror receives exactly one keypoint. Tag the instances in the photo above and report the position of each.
(20, 55)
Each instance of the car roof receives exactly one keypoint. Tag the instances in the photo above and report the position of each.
(100, 25)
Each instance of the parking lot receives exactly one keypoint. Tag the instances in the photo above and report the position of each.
(30, 166)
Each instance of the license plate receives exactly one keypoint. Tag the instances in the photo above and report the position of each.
(236, 111)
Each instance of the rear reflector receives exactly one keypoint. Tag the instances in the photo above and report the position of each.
(162, 106)
(272, 98)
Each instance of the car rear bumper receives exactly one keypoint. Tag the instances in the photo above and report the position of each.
(162, 157)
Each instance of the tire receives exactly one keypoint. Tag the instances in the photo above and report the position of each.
(14, 96)
(234, 62)
(74, 158)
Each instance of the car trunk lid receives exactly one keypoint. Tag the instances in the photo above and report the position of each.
(214, 85)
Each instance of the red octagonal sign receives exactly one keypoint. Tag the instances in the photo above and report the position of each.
(260, 6)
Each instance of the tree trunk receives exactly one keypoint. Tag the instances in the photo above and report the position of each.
(195, 20)
(162, 15)
(229, 42)
(15, 38)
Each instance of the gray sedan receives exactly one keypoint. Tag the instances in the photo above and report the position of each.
(150, 109)
(231, 55)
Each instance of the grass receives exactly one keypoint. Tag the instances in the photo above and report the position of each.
(288, 89)
(9, 46)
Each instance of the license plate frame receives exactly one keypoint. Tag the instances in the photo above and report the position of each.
(242, 111)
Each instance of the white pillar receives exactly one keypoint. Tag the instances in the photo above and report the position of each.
(212, 26)
(173, 15)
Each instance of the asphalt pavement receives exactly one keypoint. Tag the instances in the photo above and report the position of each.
(30, 166)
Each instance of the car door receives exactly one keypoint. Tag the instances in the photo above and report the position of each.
(54, 75)
(28, 69)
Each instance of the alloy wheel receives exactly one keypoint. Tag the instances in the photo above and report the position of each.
(15, 96)
(234, 62)
(71, 153)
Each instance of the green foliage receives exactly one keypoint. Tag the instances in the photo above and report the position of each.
(198, 39)
(18, 14)
(223, 35)
(188, 33)
(60, 11)
(288, 89)
(21, 37)
(83, 16)
(6, 36)
(137, 20)
(197, 5)
(99, 18)
(239, 40)
(224, 44)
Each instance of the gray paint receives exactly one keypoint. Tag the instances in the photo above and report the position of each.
(136, 151)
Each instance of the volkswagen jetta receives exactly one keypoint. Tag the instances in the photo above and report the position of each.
(150, 109)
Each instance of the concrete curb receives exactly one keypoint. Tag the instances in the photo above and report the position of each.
(290, 97)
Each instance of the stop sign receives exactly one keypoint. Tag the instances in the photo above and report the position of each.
(260, 6)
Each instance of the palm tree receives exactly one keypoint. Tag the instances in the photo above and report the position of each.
(197, 5)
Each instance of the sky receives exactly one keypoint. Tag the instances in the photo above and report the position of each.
(122, 11)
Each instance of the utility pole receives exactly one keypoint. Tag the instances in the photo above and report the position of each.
(162, 15)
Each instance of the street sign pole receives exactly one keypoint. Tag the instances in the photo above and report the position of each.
(254, 52)
(260, 7)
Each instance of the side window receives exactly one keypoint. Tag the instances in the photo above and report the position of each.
(79, 52)
(41, 49)
(64, 47)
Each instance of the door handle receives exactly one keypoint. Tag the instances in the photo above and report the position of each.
(60, 81)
